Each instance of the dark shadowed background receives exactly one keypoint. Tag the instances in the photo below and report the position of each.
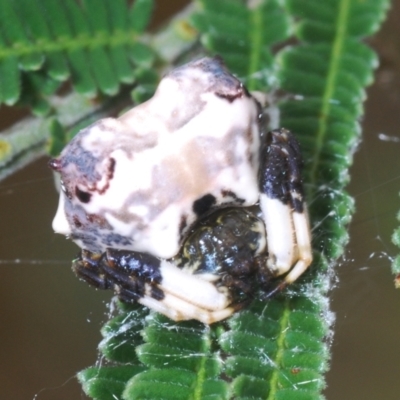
(50, 321)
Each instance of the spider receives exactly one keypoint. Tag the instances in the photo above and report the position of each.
(162, 199)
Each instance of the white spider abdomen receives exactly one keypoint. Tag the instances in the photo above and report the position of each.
(140, 181)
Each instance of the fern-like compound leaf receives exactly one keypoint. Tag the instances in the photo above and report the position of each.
(121, 335)
(107, 382)
(91, 42)
(277, 349)
(186, 368)
(328, 73)
(242, 34)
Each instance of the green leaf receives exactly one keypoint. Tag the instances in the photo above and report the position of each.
(243, 35)
(173, 384)
(273, 347)
(15, 35)
(121, 335)
(145, 90)
(9, 81)
(107, 382)
(88, 41)
(330, 78)
(36, 87)
(140, 15)
(58, 138)
(278, 349)
(188, 362)
(34, 18)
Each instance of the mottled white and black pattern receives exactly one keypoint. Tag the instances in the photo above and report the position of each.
(140, 181)
(190, 170)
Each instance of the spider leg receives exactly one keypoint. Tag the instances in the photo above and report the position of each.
(146, 275)
(179, 309)
(157, 284)
(283, 209)
(86, 266)
(172, 306)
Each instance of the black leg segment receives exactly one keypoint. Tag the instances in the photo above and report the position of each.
(280, 169)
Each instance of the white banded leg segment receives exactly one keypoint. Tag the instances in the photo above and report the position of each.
(280, 234)
(179, 310)
(303, 239)
(191, 288)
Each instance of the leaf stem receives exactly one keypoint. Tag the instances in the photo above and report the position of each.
(201, 373)
(337, 48)
(255, 45)
(284, 322)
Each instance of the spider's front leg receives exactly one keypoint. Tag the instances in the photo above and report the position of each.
(155, 283)
(115, 269)
(87, 266)
(283, 208)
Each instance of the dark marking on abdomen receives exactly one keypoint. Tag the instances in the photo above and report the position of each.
(228, 193)
(182, 224)
(203, 204)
